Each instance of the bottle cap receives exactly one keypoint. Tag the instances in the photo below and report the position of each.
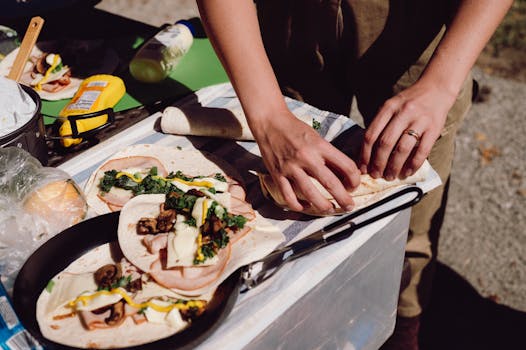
(187, 24)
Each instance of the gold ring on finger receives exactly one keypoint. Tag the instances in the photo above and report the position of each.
(413, 133)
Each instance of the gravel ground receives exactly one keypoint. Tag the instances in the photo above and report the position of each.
(482, 237)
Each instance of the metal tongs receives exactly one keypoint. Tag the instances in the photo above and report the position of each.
(261, 270)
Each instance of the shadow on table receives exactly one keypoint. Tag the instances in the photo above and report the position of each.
(460, 318)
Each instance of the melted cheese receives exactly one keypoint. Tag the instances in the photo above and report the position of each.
(56, 62)
(182, 244)
(183, 185)
(172, 318)
(87, 300)
(200, 210)
(67, 286)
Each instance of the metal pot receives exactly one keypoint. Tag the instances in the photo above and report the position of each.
(30, 136)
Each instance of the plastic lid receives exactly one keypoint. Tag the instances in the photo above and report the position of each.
(188, 24)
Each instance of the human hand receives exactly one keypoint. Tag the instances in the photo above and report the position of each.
(404, 130)
(293, 151)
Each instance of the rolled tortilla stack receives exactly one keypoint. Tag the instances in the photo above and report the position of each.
(369, 191)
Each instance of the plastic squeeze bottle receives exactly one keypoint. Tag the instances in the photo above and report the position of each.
(159, 56)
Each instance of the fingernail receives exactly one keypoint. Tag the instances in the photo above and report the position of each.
(389, 177)
(363, 169)
(408, 172)
(375, 174)
(349, 207)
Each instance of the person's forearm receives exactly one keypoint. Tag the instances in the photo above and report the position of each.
(466, 36)
(233, 29)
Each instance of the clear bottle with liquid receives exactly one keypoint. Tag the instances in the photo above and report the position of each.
(159, 56)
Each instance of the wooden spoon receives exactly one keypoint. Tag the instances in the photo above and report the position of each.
(30, 38)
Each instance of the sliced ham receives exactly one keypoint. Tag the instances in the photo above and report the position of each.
(190, 278)
(236, 189)
(240, 207)
(116, 198)
(139, 318)
(154, 243)
(130, 270)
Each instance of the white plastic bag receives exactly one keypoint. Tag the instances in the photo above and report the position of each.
(36, 203)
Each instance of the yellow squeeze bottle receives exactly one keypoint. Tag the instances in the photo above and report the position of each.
(95, 93)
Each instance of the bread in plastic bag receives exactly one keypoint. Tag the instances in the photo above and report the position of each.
(36, 203)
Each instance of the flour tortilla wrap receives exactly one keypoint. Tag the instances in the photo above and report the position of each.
(78, 278)
(228, 123)
(369, 191)
(259, 242)
(67, 92)
(190, 162)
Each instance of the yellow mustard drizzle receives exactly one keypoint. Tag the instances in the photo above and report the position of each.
(38, 87)
(181, 306)
(189, 183)
(199, 253)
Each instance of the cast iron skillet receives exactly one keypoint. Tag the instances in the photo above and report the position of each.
(58, 252)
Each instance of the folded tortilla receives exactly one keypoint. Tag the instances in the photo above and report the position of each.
(259, 242)
(228, 123)
(7, 63)
(369, 191)
(78, 278)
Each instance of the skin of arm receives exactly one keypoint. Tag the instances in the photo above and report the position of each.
(390, 152)
(292, 150)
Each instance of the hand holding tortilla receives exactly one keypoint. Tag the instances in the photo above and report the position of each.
(369, 190)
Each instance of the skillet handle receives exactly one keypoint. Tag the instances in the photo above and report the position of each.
(261, 270)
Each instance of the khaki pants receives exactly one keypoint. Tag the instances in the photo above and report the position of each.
(324, 52)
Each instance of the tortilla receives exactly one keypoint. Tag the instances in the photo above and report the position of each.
(190, 162)
(77, 278)
(263, 239)
(229, 123)
(67, 92)
(369, 191)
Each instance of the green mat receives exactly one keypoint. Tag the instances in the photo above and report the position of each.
(199, 68)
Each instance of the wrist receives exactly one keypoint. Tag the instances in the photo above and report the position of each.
(446, 87)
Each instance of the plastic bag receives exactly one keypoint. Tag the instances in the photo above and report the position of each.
(36, 203)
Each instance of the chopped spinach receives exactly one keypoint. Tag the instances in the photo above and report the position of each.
(180, 202)
(238, 221)
(121, 282)
(179, 175)
(57, 68)
(220, 177)
(211, 190)
(50, 285)
(191, 222)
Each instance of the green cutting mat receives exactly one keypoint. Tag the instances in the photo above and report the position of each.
(199, 68)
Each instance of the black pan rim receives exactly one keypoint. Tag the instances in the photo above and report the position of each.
(53, 257)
